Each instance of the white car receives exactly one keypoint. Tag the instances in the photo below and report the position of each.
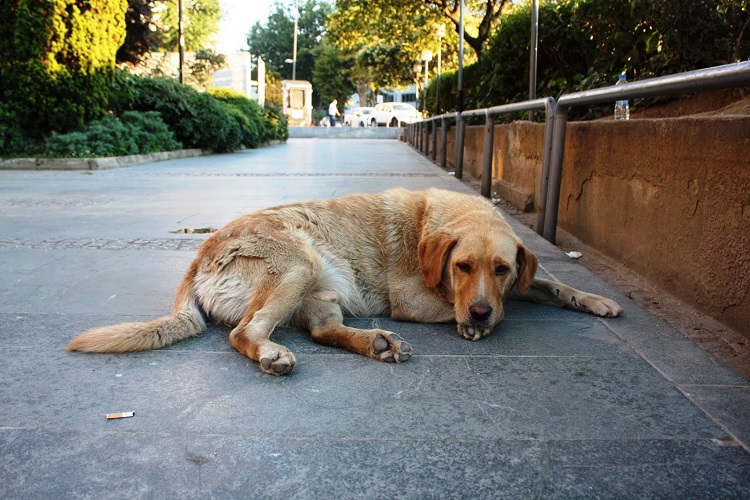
(394, 114)
(359, 117)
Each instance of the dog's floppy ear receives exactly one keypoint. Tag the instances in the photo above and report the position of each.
(433, 250)
(527, 264)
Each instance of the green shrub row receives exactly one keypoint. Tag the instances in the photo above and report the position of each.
(133, 133)
(145, 115)
(60, 93)
(223, 120)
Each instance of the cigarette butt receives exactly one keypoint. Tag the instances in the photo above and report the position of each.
(124, 414)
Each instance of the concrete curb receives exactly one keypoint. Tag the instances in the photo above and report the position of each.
(96, 163)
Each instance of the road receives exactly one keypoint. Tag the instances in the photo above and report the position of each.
(553, 404)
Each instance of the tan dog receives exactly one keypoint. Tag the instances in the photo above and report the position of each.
(429, 256)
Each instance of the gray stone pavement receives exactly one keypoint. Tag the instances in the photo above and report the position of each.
(553, 404)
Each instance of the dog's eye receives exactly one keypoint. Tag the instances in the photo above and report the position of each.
(501, 270)
(464, 267)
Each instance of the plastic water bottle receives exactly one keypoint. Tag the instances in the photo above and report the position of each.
(622, 108)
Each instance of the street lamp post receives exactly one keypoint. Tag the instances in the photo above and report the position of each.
(533, 55)
(440, 35)
(426, 57)
(459, 119)
(295, 13)
(181, 41)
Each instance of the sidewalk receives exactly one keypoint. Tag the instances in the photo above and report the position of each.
(553, 404)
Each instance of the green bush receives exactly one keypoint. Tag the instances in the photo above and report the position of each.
(276, 127)
(12, 140)
(57, 61)
(149, 132)
(135, 133)
(252, 123)
(198, 119)
(215, 125)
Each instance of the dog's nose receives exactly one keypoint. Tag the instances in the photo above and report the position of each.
(480, 310)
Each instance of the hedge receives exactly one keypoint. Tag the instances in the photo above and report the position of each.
(585, 44)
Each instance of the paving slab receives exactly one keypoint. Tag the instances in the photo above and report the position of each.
(554, 404)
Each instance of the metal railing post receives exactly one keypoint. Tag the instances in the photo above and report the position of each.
(489, 144)
(549, 124)
(460, 129)
(555, 173)
(443, 142)
(434, 140)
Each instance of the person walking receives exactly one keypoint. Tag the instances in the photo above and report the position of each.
(333, 112)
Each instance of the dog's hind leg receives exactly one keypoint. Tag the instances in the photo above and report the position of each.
(324, 320)
(273, 303)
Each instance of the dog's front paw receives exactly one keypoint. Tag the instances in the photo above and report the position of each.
(600, 306)
(390, 347)
(474, 332)
(277, 362)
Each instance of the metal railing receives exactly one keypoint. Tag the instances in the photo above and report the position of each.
(418, 135)
(726, 76)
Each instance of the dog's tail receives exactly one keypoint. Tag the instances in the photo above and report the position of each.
(185, 321)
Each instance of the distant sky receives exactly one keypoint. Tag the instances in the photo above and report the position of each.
(238, 17)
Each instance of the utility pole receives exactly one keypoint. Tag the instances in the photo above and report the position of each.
(533, 55)
(181, 41)
(440, 35)
(294, 52)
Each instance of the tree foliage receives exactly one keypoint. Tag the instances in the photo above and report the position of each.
(387, 37)
(585, 44)
(331, 76)
(200, 21)
(58, 59)
(206, 63)
(274, 40)
(376, 22)
(140, 38)
(318, 62)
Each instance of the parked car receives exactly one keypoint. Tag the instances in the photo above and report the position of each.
(359, 117)
(394, 114)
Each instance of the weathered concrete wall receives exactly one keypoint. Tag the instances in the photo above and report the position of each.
(670, 198)
(516, 161)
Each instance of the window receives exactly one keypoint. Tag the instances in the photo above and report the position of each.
(296, 98)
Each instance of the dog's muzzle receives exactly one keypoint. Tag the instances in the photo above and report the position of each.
(480, 325)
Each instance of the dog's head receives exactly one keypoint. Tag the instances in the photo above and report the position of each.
(476, 264)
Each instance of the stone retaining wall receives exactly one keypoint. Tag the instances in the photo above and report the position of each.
(669, 198)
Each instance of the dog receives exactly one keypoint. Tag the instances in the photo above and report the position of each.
(432, 256)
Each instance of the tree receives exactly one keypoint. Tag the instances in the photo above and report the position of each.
(274, 41)
(206, 63)
(58, 60)
(374, 22)
(140, 38)
(487, 11)
(200, 21)
(331, 76)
